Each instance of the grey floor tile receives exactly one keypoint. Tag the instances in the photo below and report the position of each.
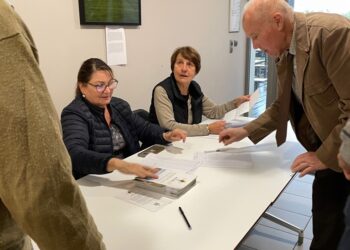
(298, 220)
(294, 203)
(308, 230)
(267, 238)
(300, 188)
(307, 178)
(304, 246)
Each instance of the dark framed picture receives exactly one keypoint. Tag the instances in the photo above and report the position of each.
(110, 12)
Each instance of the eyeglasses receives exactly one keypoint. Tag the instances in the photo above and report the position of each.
(101, 86)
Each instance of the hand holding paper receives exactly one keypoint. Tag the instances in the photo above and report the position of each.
(247, 106)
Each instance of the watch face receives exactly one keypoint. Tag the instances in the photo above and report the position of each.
(155, 149)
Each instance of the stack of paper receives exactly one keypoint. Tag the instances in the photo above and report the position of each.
(170, 182)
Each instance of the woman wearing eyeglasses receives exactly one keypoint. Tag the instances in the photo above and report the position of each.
(99, 130)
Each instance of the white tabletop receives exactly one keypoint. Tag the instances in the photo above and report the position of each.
(221, 208)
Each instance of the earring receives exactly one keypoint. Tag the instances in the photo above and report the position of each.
(83, 96)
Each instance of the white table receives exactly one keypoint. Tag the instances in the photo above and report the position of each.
(222, 207)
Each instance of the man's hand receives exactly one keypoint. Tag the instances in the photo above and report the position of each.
(242, 99)
(307, 163)
(230, 135)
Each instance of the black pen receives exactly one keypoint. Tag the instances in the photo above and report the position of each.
(184, 216)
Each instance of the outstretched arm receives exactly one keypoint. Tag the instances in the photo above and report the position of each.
(231, 135)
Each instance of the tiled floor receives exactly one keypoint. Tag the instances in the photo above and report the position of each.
(294, 206)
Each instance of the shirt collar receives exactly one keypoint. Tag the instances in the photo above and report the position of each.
(293, 44)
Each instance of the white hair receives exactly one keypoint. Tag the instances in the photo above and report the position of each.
(263, 8)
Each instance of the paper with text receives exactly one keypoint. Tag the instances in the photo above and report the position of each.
(100, 186)
(235, 15)
(144, 199)
(116, 47)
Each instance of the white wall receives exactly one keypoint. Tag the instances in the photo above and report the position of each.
(166, 24)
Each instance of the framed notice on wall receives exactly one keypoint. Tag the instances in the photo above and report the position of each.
(235, 15)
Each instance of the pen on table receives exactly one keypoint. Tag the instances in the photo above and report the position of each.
(217, 150)
(184, 216)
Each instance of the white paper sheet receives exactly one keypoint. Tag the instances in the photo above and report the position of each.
(158, 161)
(235, 16)
(234, 115)
(261, 155)
(101, 186)
(116, 47)
(224, 159)
(147, 200)
(247, 106)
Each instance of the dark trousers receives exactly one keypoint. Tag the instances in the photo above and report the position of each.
(345, 240)
(329, 193)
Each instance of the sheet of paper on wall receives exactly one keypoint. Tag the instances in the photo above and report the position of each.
(235, 15)
(115, 45)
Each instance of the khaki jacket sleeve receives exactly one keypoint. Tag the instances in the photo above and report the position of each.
(36, 183)
(266, 123)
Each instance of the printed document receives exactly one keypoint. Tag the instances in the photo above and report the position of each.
(234, 118)
(116, 47)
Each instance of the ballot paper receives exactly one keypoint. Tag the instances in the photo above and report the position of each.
(126, 190)
(170, 182)
(247, 106)
(224, 159)
(145, 199)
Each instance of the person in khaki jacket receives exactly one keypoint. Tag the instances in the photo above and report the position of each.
(38, 196)
(312, 53)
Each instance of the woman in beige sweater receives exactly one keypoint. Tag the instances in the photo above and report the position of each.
(178, 102)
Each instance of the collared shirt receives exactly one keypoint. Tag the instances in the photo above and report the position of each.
(295, 84)
(344, 150)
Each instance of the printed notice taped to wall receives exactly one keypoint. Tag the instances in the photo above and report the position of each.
(235, 15)
(116, 47)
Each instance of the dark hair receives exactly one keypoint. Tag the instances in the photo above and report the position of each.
(188, 53)
(87, 69)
